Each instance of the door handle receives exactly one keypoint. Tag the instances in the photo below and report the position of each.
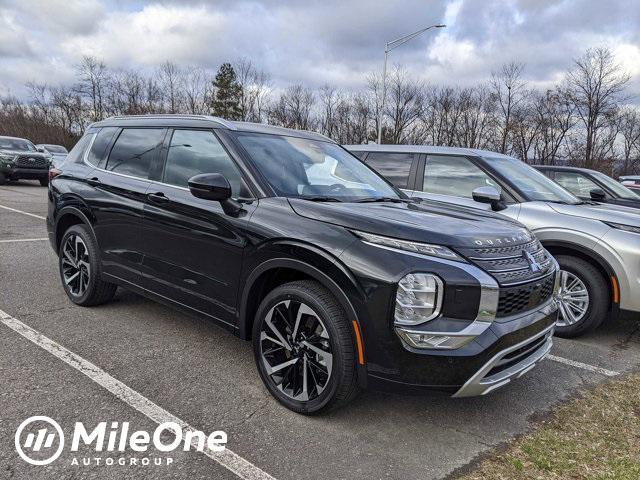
(93, 181)
(158, 197)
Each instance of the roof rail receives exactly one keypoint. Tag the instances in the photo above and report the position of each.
(219, 120)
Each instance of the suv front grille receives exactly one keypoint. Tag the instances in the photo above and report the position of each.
(27, 161)
(513, 300)
(512, 264)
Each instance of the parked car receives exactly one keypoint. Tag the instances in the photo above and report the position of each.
(591, 185)
(57, 153)
(19, 159)
(597, 246)
(339, 279)
(632, 182)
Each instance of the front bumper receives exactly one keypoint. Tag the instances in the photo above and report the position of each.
(509, 364)
(16, 173)
(505, 351)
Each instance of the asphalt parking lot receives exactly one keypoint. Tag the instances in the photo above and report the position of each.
(206, 377)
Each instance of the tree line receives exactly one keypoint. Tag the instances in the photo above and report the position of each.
(586, 119)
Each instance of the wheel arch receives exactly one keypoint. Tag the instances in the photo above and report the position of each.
(67, 217)
(558, 247)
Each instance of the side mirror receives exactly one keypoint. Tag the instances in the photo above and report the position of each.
(598, 195)
(489, 195)
(40, 149)
(213, 186)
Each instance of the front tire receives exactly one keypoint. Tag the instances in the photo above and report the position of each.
(81, 269)
(303, 348)
(3, 178)
(583, 299)
(44, 182)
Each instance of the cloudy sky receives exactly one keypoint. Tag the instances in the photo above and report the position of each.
(315, 42)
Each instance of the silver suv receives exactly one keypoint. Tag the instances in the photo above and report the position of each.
(596, 245)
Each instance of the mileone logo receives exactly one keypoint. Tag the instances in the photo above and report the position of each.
(40, 440)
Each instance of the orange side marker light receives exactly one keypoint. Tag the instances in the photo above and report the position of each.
(356, 329)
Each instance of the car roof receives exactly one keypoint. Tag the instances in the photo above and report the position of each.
(428, 149)
(564, 168)
(204, 121)
(14, 138)
(630, 177)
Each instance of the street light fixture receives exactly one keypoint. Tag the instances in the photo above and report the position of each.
(387, 48)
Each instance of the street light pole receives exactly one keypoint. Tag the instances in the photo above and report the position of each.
(387, 48)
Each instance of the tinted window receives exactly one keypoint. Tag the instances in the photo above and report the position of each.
(193, 152)
(394, 166)
(360, 155)
(576, 183)
(77, 152)
(55, 148)
(100, 144)
(457, 176)
(134, 150)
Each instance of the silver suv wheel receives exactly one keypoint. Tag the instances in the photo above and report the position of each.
(573, 299)
(295, 350)
(76, 269)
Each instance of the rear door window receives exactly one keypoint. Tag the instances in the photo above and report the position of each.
(76, 155)
(395, 167)
(97, 154)
(134, 151)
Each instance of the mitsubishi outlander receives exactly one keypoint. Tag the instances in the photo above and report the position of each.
(283, 237)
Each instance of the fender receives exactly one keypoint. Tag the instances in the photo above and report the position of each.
(76, 211)
(317, 264)
(596, 257)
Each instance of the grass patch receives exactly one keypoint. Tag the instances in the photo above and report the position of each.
(595, 436)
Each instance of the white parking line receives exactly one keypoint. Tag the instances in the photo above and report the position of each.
(24, 240)
(231, 461)
(584, 366)
(24, 213)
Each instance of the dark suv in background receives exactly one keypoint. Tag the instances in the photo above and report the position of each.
(591, 185)
(283, 237)
(19, 159)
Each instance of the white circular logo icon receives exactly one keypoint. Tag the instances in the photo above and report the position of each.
(39, 442)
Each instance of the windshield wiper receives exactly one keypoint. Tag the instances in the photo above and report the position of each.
(320, 198)
(384, 199)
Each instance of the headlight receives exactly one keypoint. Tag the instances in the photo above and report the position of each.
(626, 228)
(408, 246)
(418, 299)
(7, 157)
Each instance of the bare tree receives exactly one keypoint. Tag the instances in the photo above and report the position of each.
(196, 90)
(256, 87)
(554, 117)
(630, 133)
(404, 105)
(596, 87)
(509, 89)
(170, 81)
(93, 78)
(293, 109)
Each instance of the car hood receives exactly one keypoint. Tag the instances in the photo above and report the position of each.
(425, 222)
(24, 153)
(600, 211)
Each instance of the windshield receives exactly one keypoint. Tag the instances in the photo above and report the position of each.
(7, 143)
(620, 190)
(55, 149)
(534, 185)
(299, 167)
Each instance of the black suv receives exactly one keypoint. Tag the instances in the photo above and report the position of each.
(589, 184)
(284, 238)
(19, 159)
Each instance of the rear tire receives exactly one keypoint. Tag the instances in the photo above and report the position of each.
(576, 315)
(81, 268)
(319, 355)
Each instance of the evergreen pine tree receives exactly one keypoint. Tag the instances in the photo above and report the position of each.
(226, 101)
